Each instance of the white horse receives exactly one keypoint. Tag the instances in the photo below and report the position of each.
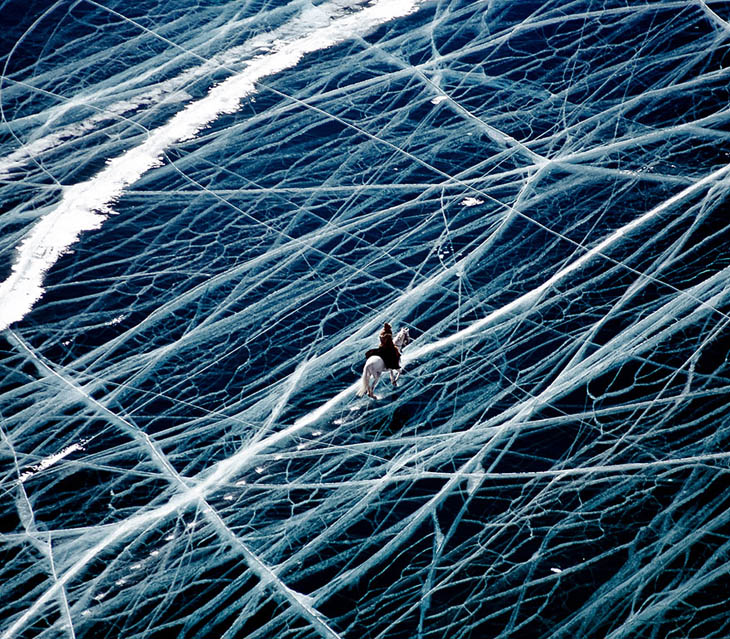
(374, 366)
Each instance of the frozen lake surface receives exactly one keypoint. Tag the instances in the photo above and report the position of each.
(208, 209)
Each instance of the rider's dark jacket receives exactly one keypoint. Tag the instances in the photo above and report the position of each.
(387, 351)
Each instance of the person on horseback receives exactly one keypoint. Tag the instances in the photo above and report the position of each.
(387, 350)
(385, 357)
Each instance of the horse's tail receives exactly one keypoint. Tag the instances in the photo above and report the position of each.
(363, 382)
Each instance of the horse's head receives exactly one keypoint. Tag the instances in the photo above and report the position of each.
(403, 338)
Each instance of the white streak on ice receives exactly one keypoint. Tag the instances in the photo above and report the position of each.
(84, 206)
(471, 201)
(50, 461)
(168, 91)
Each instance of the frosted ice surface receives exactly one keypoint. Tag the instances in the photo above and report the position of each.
(208, 209)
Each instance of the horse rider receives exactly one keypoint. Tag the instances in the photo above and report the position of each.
(387, 350)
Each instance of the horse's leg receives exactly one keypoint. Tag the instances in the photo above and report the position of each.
(393, 377)
(377, 369)
(376, 377)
